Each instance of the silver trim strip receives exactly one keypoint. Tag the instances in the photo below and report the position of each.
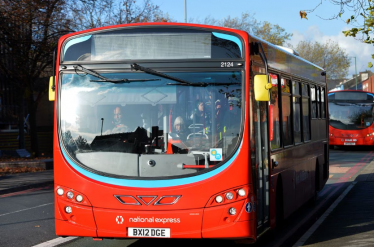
(140, 198)
(175, 201)
(124, 203)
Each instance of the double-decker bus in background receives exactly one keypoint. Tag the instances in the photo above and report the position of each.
(351, 118)
(183, 131)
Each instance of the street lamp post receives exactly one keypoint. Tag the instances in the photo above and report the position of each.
(185, 11)
(355, 72)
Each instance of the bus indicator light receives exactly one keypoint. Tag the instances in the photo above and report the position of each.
(68, 210)
(232, 211)
(229, 196)
(70, 195)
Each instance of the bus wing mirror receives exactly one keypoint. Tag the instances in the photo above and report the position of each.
(262, 88)
(51, 88)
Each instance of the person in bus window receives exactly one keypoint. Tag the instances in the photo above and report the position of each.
(219, 115)
(200, 116)
(179, 128)
(117, 123)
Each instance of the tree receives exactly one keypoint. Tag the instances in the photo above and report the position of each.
(272, 33)
(361, 17)
(88, 15)
(264, 30)
(328, 55)
(30, 30)
(29, 33)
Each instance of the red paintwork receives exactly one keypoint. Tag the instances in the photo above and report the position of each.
(271, 121)
(337, 137)
(199, 216)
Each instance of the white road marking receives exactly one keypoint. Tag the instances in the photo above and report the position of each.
(27, 209)
(55, 242)
(314, 227)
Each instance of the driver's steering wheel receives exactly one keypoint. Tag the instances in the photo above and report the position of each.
(199, 134)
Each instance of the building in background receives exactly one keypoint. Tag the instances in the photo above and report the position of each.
(364, 81)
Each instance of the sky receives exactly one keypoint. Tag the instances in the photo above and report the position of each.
(285, 13)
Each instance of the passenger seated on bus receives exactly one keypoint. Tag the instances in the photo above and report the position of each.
(200, 116)
(179, 128)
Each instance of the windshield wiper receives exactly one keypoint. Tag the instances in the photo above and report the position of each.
(105, 79)
(154, 72)
(181, 81)
(204, 84)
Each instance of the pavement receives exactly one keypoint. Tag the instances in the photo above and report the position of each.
(350, 222)
(23, 181)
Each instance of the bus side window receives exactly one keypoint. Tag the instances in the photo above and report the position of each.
(323, 104)
(318, 96)
(314, 101)
(296, 100)
(286, 112)
(275, 141)
(305, 112)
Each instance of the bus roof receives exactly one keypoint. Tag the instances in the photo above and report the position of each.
(284, 61)
(278, 58)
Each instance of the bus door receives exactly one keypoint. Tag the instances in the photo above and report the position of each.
(262, 165)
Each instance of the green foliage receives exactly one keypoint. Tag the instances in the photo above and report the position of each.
(272, 33)
(361, 19)
(328, 55)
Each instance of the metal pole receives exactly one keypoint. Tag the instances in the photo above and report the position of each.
(356, 72)
(185, 11)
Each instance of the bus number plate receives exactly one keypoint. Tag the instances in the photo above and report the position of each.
(149, 232)
(349, 143)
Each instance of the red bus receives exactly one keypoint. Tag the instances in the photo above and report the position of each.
(351, 118)
(182, 131)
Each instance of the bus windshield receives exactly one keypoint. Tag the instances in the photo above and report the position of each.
(145, 125)
(350, 116)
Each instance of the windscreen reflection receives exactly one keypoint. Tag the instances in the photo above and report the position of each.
(350, 116)
(150, 129)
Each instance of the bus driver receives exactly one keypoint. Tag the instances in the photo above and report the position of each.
(117, 124)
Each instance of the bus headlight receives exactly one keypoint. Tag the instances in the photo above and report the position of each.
(79, 198)
(219, 199)
(241, 192)
(60, 191)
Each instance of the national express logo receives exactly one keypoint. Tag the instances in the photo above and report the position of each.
(215, 154)
(155, 220)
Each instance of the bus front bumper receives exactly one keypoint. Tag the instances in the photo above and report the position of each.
(365, 141)
(211, 222)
